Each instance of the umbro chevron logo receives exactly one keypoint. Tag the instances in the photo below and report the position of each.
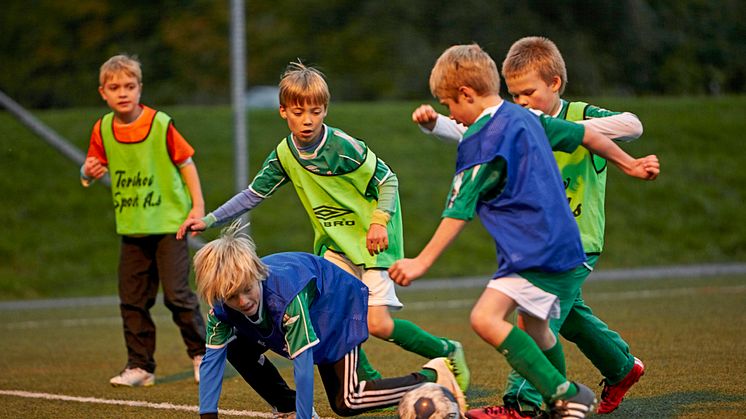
(326, 212)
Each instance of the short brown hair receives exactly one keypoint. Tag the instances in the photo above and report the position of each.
(121, 63)
(535, 53)
(300, 84)
(464, 65)
(227, 265)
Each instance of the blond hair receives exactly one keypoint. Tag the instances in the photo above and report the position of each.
(121, 63)
(300, 85)
(535, 53)
(227, 265)
(464, 65)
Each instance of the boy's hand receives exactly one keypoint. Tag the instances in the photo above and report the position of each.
(646, 168)
(195, 225)
(404, 271)
(377, 240)
(426, 116)
(93, 168)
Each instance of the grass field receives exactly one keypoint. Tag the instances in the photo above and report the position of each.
(689, 332)
(58, 238)
(58, 241)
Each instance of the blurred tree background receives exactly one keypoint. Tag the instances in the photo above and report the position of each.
(50, 50)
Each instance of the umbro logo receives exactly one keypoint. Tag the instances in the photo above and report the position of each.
(326, 212)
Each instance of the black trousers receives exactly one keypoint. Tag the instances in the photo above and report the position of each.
(144, 262)
(348, 396)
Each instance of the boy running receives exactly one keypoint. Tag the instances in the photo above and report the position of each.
(506, 173)
(535, 76)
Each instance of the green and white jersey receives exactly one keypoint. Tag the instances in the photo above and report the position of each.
(486, 181)
(338, 184)
(584, 177)
(297, 327)
(331, 157)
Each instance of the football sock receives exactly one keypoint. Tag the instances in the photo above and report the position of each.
(412, 338)
(430, 375)
(556, 355)
(365, 371)
(527, 359)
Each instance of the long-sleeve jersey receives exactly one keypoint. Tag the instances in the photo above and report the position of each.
(320, 157)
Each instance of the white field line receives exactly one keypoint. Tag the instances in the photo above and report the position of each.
(412, 306)
(131, 403)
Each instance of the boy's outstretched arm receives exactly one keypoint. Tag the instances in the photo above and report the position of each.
(303, 369)
(433, 123)
(646, 168)
(623, 127)
(404, 271)
(211, 381)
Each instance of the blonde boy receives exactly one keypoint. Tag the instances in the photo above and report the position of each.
(352, 201)
(154, 186)
(301, 307)
(506, 173)
(535, 76)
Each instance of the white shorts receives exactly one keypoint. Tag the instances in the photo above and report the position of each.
(381, 289)
(531, 299)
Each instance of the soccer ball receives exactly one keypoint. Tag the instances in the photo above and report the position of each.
(429, 401)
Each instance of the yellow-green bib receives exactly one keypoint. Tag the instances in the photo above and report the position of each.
(148, 193)
(339, 210)
(584, 176)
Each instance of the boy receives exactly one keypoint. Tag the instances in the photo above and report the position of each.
(154, 186)
(535, 76)
(506, 173)
(304, 308)
(352, 200)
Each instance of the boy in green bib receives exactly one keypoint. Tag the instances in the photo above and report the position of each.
(154, 185)
(535, 75)
(352, 200)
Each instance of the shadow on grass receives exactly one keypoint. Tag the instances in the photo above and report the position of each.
(671, 405)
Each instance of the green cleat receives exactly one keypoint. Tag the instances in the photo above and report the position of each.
(460, 369)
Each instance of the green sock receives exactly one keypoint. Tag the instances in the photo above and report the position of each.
(556, 355)
(526, 358)
(430, 375)
(365, 371)
(413, 339)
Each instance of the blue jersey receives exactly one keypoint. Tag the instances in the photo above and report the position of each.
(338, 313)
(529, 219)
(335, 318)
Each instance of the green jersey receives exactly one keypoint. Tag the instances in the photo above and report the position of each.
(337, 184)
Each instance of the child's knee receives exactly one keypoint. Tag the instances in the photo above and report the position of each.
(479, 323)
(341, 409)
(380, 324)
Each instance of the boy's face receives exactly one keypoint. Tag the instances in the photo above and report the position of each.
(531, 91)
(122, 93)
(305, 121)
(247, 300)
(461, 109)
